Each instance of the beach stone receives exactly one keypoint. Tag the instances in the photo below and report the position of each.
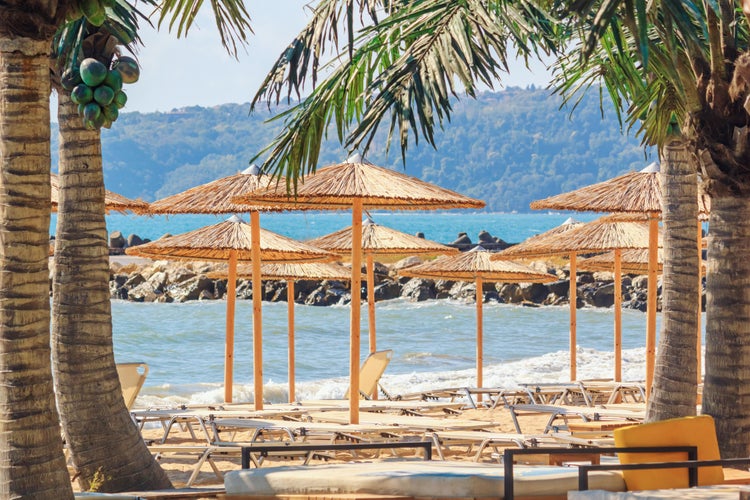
(463, 239)
(418, 290)
(387, 290)
(485, 237)
(134, 240)
(134, 280)
(559, 288)
(410, 261)
(640, 282)
(511, 293)
(419, 234)
(117, 240)
(220, 288)
(119, 279)
(604, 296)
(603, 276)
(463, 291)
(192, 289)
(584, 278)
(534, 292)
(324, 296)
(181, 275)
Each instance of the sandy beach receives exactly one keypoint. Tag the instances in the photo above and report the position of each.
(180, 468)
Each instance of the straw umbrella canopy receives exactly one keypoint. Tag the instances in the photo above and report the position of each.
(476, 265)
(231, 241)
(356, 185)
(112, 201)
(614, 232)
(378, 240)
(291, 272)
(216, 197)
(634, 192)
(633, 261)
(529, 249)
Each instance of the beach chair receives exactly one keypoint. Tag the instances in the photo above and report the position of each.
(371, 371)
(132, 376)
(698, 431)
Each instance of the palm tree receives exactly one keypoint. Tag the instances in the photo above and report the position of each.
(695, 55)
(33, 465)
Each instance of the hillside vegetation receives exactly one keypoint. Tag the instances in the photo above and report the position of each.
(507, 148)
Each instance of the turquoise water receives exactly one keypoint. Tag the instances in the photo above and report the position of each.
(434, 342)
(437, 226)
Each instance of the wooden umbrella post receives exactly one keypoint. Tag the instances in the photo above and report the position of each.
(290, 330)
(653, 253)
(573, 295)
(229, 341)
(698, 353)
(480, 333)
(354, 326)
(371, 300)
(618, 315)
(257, 306)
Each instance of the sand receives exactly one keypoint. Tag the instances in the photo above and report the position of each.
(179, 469)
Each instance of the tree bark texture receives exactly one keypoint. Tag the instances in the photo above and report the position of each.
(726, 393)
(32, 464)
(674, 392)
(106, 447)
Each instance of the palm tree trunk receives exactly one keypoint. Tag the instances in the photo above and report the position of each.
(32, 464)
(106, 446)
(727, 379)
(675, 377)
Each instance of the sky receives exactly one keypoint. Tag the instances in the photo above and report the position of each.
(196, 70)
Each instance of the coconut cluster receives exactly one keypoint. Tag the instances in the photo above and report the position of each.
(92, 10)
(97, 89)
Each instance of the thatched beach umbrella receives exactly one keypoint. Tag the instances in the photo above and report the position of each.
(604, 234)
(634, 192)
(112, 201)
(232, 241)
(356, 185)
(216, 197)
(530, 249)
(378, 240)
(476, 265)
(291, 272)
(634, 261)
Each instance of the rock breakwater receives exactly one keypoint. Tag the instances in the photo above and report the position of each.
(164, 281)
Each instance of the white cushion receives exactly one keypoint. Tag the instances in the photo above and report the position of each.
(413, 478)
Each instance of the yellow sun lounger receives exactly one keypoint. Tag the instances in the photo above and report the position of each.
(132, 376)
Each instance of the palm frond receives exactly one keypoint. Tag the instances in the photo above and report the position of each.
(231, 17)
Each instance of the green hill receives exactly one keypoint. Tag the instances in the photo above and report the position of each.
(507, 148)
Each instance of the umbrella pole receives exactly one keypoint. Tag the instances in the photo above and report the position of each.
(480, 334)
(290, 329)
(700, 301)
(354, 318)
(618, 315)
(371, 300)
(257, 321)
(653, 248)
(573, 296)
(229, 343)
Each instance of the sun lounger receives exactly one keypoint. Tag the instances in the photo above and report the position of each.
(482, 441)
(132, 376)
(607, 416)
(370, 372)
(413, 423)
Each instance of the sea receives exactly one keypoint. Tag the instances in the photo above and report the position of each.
(434, 342)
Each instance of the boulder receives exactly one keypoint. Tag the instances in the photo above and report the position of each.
(462, 290)
(117, 240)
(418, 290)
(559, 288)
(463, 239)
(387, 290)
(193, 289)
(534, 292)
(410, 261)
(604, 296)
(510, 293)
(640, 282)
(134, 240)
(324, 296)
